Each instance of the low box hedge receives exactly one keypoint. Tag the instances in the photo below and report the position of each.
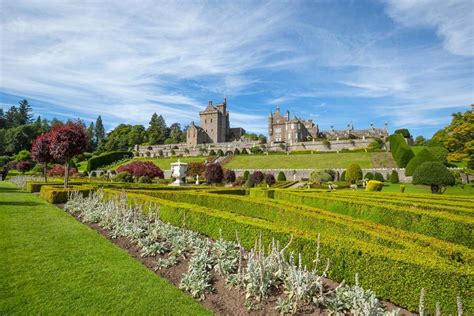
(58, 194)
(395, 274)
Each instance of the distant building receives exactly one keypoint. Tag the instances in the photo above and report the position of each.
(282, 129)
(214, 127)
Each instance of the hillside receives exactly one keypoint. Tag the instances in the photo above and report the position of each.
(314, 161)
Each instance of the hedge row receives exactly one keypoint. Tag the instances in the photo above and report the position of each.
(401, 152)
(57, 195)
(106, 159)
(393, 273)
(450, 227)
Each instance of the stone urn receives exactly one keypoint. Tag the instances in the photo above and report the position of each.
(178, 171)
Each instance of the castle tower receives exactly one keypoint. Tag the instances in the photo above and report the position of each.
(270, 126)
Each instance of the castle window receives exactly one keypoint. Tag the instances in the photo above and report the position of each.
(277, 130)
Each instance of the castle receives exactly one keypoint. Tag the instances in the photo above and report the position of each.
(214, 127)
(284, 134)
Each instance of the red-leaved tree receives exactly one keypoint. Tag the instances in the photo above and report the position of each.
(214, 173)
(229, 176)
(270, 179)
(142, 168)
(58, 171)
(23, 166)
(258, 177)
(41, 152)
(66, 142)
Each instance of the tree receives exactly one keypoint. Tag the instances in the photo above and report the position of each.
(258, 177)
(214, 173)
(229, 176)
(404, 132)
(175, 134)
(41, 152)
(440, 153)
(423, 156)
(195, 169)
(434, 174)
(122, 138)
(19, 138)
(270, 179)
(3, 120)
(142, 169)
(458, 136)
(157, 131)
(99, 130)
(92, 137)
(419, 141)
(353, 173)
(320, 176)
(67, 142)
(23, 166)
(24, 113)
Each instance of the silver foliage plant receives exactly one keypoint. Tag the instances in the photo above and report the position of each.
(259, 272)
(20, 180)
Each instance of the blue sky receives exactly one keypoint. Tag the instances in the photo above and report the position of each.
(409, 63)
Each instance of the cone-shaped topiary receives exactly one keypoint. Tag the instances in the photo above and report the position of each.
(246, 174)
(379, 177)
(343, 176)
(394, 177)
(423, 156)
(369, 175)
(434, 174)
(281, 176)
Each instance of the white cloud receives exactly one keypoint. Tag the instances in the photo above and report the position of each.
(452, 19)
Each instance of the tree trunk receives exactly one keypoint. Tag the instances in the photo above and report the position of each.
(66, 174)
(45, 173)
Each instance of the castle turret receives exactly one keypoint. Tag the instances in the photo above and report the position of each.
(270, 124)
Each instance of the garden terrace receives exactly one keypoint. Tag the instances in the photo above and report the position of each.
(390, 261)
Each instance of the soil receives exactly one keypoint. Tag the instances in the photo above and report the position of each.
(223, 300)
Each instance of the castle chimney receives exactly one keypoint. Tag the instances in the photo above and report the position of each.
(210, 103)
(288, 115)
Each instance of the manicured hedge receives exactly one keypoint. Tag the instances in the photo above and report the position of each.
(401, 152)
(423, 156)
(57, 194)
(450, 227)
(394, 270)
(106, 159)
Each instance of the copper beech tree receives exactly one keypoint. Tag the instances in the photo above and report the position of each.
(41, 152)
(66, 142)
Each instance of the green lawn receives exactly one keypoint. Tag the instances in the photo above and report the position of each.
(315, 161)
(52, 264)
(163, 163)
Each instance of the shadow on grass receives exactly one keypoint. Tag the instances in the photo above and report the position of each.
(10, 190)
(19, 203)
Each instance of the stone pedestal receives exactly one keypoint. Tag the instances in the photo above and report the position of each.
(178, 171)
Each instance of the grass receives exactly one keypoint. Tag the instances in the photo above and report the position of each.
(52, 264)
(163, 163)
(308, 161)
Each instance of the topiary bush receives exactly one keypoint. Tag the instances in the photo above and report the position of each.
(270, 179)
(258, 177)
(434, 174)
(236, 151)
(423, 156)
(353, 173)
(369, 175)
(23, 166)
(249, 182)
(401, 152)
(214, 173)
(212, 152)
(374, 185)
(343, 176)
(229, 176)
(404, 132)
(379, 177)
(145, 179)
(246, 174)
(196, 169)
(244, 151)
(440, 153)
(281, 176)
(394, 177)
(220, 153)
(123, 177)
(320, 176)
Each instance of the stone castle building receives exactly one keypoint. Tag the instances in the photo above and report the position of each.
(282, 129)
(214, 127)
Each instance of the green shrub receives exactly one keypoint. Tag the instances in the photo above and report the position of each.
(470, 162)
(374, 185)
(423, 156)
(376, 144)
(434, 174)
(379, 177)
(320, 176)
(249, 182)
(244, 151)
(281, 176)
(220, 153)
(123, 177)
(404, 132)
(369, 175)
(59, 195)
(402, 188)
(246, 174)
(236, 151)
(401, 152)
(440, 153)
(212, 152)
(353, 173)
(394, 177)
(145, 179)
(106, 159)
(256, 150)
